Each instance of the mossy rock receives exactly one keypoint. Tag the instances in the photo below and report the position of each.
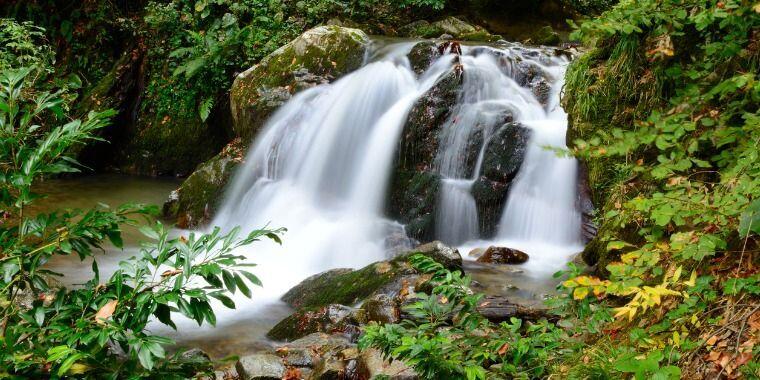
(349, 287)
(329, 319)
(452, 26)
(320, 54)
(195, 201)
(545, 36)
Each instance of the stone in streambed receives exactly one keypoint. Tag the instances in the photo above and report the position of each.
(349, 287)
(379, 308)
(503, 255)
(375, 366)
(260, 367)
(330, 319)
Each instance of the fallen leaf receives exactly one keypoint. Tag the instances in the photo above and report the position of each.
(503, 349)
(106, 311)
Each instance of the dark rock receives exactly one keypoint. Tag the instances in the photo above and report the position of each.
(260, 367)
(381, 309)
(585, 205)
(499, 309)
(503, 255)
(451, 27)
(414, 185)
(422, 55)
(317, 56)
(502, 159)
(196, 200)
(330, 319)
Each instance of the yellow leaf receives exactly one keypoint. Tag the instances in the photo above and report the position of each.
(677, 273)
(692, 279)
(621, 311)
(580, 293)
(676, 339)
(569, 284)
(757, 7)
(78, 369)
(106, 311)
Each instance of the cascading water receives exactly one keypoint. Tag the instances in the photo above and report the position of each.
(489, 98)
(320, 168)
(540, 216)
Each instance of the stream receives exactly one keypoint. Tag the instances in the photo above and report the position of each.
(321, 168)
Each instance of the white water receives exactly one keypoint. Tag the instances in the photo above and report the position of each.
(320, 168)
(488, 99)
(540, 216)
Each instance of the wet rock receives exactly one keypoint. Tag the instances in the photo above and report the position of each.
(317, 56)
(477, 252)
(499, 309)
(344, 286)
(375, 366)
(331, 319)
(443, 254)
(542, 91)
(450, 27)
(422, 55)
(446, 36)
(379, 308)
(585, 205)
(260, 367)
(502, 159)
(545, 36)
(198, 197)
(503, 255)
(414, 185)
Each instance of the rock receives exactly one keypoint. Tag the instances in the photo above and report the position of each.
(381, 309)
(446, 36)
(499, 309)
(545, 36)
(331, 319)
(502, 159)
(414, 185)
(585, 205)
(447, 28)
(503, 255)
(260, 367)
(422, 55)
(477, 252)
(318, 55)
(343, 286)
(443, 254)
(197, 198)
(375, 366)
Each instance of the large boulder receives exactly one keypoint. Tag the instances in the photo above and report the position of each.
(502, 159)
(317, 56)
(330, 319)
(393, 278)
(451, 26)
(414, 185)
(503, 255)
(196, 200)
(260, 367)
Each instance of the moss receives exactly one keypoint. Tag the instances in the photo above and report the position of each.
(200, 194)
(326, 51)
(346, 287)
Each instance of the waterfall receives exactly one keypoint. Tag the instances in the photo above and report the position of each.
(321, 166)
(489, 98)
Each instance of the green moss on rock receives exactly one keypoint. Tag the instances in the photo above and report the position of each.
(325, 52)
(195, 201)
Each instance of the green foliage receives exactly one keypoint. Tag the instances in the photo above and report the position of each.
(54, 332)
(24, 45)
(446, 338)
(669, 98)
